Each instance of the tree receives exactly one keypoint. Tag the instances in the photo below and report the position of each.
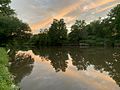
(5, 9)
(57, 32)
(114, 20)
(77, 31)
(11, 28)
(111, 26)
(95, 28)
(40, 39)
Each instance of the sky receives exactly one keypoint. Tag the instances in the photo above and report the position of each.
(39, 14)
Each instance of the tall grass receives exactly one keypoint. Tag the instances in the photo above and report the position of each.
(5, 77)
(3, 57)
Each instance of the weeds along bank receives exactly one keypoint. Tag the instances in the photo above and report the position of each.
(6, 81)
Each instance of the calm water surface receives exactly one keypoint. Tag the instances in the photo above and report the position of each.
(67, 68)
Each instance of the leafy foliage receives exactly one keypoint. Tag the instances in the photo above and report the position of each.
(78, 33)
(11, 28)
(57, 32)
(5, 9)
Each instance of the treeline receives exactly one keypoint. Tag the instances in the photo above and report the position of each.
(101, 32)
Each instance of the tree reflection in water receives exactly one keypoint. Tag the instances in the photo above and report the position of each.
(58, 59)
(22, 66)
(57, 56)
(102, 59)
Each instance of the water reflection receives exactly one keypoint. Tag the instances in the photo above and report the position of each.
(22, 66)
(58, 57)
(101, 59)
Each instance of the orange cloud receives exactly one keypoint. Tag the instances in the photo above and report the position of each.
(68, 10)
(97, 4)
(59, 15)
(41, 24)
(102, 2)
(106, 8)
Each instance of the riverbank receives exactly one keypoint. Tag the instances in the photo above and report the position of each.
(6, 82)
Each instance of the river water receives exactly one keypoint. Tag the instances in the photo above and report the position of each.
(67, 68)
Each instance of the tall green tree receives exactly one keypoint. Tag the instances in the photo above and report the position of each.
(114, 21)
(13, 28)
(77, 31)
(57, 32)
(95, 28)
(111, 26)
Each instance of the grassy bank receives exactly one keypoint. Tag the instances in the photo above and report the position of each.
(5, 77)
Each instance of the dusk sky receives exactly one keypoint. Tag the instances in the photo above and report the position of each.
(40, 13)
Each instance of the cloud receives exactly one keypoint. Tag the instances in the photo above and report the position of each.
(99, 3)
(59, 15)
(40, 13)
(106, 8)
(68, 10)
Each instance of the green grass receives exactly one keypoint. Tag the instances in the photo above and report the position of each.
(3, 57)
(5, 77)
